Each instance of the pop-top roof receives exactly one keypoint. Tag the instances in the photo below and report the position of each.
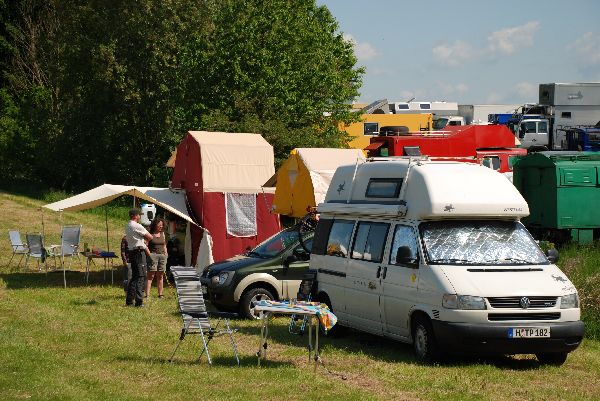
(432, 190)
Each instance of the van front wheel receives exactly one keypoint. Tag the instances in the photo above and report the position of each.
(424, 343)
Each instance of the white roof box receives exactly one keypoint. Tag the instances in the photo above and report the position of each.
(433, 190)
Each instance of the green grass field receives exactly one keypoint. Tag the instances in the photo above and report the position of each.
(83, 343)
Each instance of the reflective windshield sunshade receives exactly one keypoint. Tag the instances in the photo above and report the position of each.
(480, 242)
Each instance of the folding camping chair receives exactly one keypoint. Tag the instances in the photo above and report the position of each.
(69, 243)
(36, 250)
(194, 314)
(18, 247)
(307, 286)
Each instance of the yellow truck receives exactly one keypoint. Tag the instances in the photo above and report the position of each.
(370, 124)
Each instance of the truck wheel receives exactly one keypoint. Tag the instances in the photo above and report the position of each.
(250, 297)
(424, 342)
(552, 358)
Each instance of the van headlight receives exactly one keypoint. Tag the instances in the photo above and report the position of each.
(465, 302)
(221, 278)
(569, 301)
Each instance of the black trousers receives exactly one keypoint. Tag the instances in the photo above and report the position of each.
(135, 288)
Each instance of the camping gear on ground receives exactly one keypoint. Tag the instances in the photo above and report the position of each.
(18, 247)
(303, 179)
(222, 174)
(194, 314)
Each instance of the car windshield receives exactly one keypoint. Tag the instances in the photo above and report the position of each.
(440, 123)
(275, 245)
(489, 243)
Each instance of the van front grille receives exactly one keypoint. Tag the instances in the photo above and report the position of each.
(501, 317)
(515, 302)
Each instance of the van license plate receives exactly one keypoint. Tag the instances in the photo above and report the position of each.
(528, 332)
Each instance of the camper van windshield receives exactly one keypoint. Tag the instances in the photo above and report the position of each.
(480, 243)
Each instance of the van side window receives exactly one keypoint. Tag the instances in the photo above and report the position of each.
(339, 238)
(369, 241)
(404, 249)
(321, 236)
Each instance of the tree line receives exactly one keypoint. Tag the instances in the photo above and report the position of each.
(102, 91)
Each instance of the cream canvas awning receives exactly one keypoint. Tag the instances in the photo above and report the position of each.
(234, 162)
(169, 199)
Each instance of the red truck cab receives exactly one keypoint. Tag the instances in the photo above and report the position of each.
(491, 145)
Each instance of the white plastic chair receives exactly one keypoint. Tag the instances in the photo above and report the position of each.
(18, 247)
(69, 247)
(35, 249)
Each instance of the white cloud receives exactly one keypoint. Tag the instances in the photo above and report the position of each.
(509, 40)
(527, 90)
(453, 55)
(362, 50)
(587, 48)
(494, 98)
(448, 89)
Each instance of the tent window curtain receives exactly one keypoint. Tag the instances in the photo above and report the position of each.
(241, 214)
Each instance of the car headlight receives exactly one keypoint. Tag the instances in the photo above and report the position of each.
(569, 301)
(465, 302)
(221, 278)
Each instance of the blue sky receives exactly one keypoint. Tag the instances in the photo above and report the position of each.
(470, 51)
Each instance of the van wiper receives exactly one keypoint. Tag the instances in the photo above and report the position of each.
(510, 260)
(451, 260)
(250, 253)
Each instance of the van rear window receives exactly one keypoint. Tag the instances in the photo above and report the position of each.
(339, 238)
(319, 246)
(383, 188)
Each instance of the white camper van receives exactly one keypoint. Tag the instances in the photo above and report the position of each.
(433, 253)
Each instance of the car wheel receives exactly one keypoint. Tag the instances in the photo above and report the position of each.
(424, 342)
(250, 297)
(552, 358)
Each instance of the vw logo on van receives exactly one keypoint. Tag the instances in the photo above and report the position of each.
(524, 302)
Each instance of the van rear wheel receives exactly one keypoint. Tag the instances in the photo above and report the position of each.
(552, 358)
(424, 342)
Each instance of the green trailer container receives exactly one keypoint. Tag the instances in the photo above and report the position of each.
(563, 193)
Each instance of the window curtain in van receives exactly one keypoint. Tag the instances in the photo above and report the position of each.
(241, 214)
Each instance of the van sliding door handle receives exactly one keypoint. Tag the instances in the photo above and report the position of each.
(384, 272)
(378, 271)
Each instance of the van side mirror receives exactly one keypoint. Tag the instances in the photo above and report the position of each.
(552, 255)
(404, 256)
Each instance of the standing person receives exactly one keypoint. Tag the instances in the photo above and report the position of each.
(158, 256)
(135, 235)
(126, 264)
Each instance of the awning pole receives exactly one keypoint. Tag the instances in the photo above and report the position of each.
(106, 216)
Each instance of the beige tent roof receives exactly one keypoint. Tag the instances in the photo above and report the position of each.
(234, 162)
(319, 159)
(171, 200)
